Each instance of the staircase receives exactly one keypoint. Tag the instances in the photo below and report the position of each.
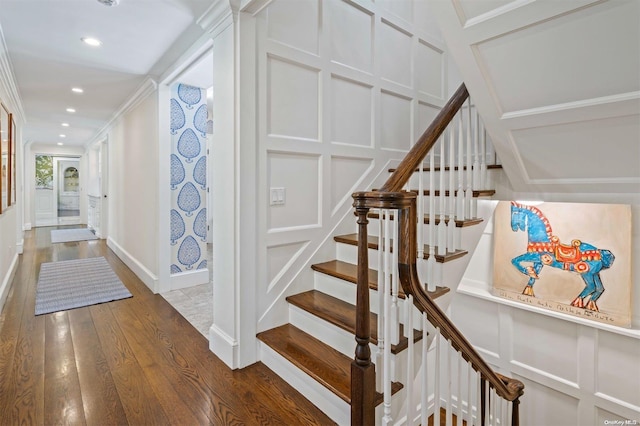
(319, 339)
(315, 351)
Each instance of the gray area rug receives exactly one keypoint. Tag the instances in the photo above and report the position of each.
(68, 235)
(70, 284)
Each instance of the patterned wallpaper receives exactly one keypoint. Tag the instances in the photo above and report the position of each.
(189, 126)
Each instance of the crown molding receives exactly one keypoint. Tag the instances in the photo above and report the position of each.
(217, 17)
(148, 87)
(8, 81)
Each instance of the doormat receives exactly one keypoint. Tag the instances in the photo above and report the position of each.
(69, 235)
(70, 284)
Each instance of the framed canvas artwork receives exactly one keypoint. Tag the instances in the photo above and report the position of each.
(12, 162)
(565, 257)
(4, 158)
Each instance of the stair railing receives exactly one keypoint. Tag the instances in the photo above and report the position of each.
(401, 255)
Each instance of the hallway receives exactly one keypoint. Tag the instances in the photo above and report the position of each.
(133, 361)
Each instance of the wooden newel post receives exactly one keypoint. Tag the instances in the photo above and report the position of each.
(515, 413)
(363, 375)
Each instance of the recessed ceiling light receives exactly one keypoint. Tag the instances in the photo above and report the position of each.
(91, 41)
(77, 90)
(63, 136)
(64, 124)
(71, 110)
(60, 143)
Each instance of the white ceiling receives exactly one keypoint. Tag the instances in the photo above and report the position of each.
(557, 84)
(141, 39)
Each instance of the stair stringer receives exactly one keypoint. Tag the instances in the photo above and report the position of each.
(299, 276)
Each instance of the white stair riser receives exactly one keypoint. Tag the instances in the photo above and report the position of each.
(330, 404)
(344, 290)
(339, 339)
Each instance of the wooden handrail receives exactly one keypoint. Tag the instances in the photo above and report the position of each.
(430, 136)
(390, 196)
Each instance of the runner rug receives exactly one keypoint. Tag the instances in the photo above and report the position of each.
(70, 284)
(68, 235)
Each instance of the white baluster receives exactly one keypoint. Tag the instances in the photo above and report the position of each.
(410, 374)
(476, 153)
(424, 393)
(478, 398)
(394, 337)
(460, 361)
(448, 383)
(431, 263)
(468, 195)
(492, 405)
(470, 385)
(460, 188)
(451, 225)
(442, 227)
(483, 159)
(387, 324)
(437, 384)
(381, 275)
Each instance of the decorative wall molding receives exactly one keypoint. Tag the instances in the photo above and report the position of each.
(8, 81)
(217, 17)
(141, 271)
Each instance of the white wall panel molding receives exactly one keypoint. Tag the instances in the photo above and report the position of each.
(292, 99)
(536, 64)
(585, 110)
(510, 16)
(301, 33)
(351, 28)
(280, 258)
(338, 100)
(352, 112)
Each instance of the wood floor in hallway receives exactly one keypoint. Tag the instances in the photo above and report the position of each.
(135, 361)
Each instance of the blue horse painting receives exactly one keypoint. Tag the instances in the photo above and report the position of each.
(545, 249)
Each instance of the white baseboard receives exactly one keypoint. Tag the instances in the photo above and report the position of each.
(147, 277)
(6, 281)
(188, 279)
(224, 346)
(20, 246)
(26, 226)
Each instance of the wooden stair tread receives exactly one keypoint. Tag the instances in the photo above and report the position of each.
(456, 168)
(343, 315)
(349, 272)
(372, 243)
(326, 365)
(460, 223)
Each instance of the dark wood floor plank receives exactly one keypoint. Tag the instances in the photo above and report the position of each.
(133, 361)
(100, 397)
(167, 371)
(138, 400)
(62, 399)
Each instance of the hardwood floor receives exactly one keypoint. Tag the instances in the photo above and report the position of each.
(135, 361)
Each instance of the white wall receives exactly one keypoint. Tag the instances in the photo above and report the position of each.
(575, 371)
(133, 189)
(11, 240)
